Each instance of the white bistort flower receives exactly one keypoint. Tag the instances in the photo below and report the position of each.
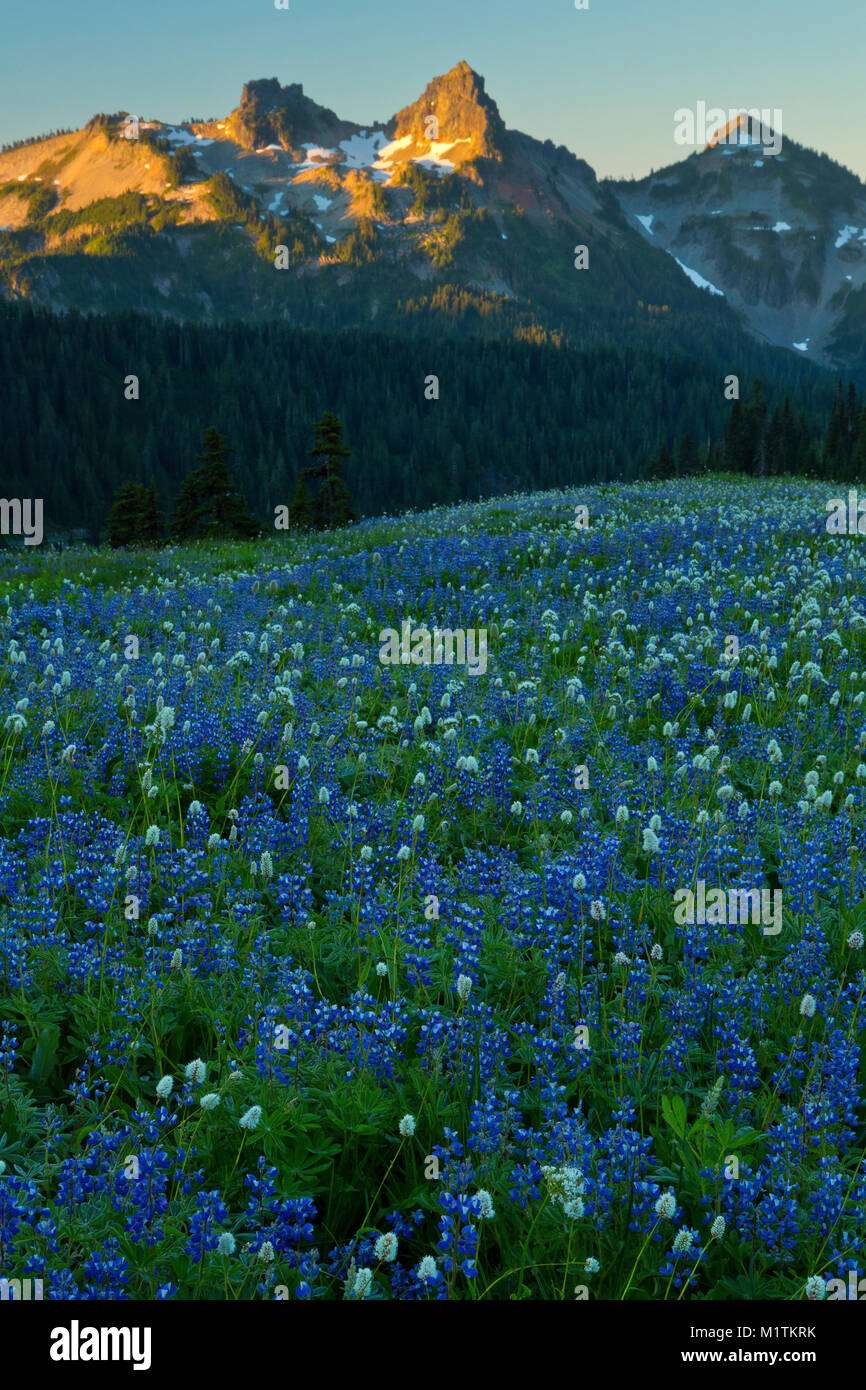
(385, 1248)
(407, 1126)
(487, 1212)
(683, 1241)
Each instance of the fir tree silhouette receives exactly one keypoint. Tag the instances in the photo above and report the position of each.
(135, 517)
(332, 503)
(208, 504)
(300, 511)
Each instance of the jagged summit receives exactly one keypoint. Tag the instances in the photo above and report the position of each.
(452, 122)
(270, 114)
(467, 119)
(743, 128)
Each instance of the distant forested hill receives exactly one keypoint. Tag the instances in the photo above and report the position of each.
(509, 415)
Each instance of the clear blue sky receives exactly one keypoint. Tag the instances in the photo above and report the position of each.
(603, 81)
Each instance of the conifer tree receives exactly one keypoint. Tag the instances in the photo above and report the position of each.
(858, 453)
(300, 511)
(837, 439)
(125, 520)
(687, 456)
(739, 440)
(786, 447)
(208, 504)
(332, 504)
(757, 411)
(775, 445)
(135, 517)
(662, 464)
(153, 520)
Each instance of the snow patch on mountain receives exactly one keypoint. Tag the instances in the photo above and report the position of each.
(844, 236)
(646, 220)
(177, 137)
(436, 156)
(315, 155)
(697, 279)
(361, 152)
(387, 154)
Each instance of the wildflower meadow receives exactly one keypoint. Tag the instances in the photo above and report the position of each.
(325, 976)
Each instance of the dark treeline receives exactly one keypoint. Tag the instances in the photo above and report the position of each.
(35, 139)
(508, 415)
(761, 441)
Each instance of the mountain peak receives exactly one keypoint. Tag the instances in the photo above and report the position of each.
(741, 129)
(454, 110)
(269, 113)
